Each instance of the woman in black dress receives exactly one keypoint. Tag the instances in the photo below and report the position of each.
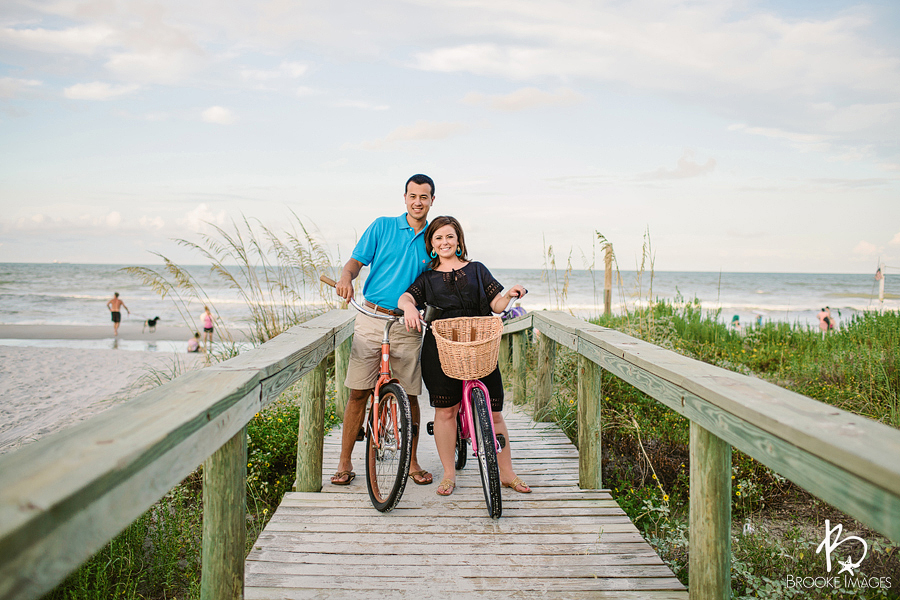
(462, 288)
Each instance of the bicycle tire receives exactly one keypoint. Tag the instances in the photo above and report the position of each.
(483, 440)
(462, 447)
(387, 459)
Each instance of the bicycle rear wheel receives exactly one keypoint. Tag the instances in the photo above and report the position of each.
(387, 458)
(483, 440)
(461, 446)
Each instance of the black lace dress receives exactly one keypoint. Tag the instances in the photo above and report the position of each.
(466, 292)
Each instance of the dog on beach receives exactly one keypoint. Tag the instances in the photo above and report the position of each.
(151, 323)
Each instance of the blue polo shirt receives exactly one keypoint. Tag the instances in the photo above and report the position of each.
(395, 254)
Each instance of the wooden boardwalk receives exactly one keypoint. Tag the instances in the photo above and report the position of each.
(557, 542)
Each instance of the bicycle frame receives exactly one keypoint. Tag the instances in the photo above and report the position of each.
(465, 409)
(384, 377)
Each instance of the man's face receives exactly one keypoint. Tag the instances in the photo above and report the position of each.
(418, 200)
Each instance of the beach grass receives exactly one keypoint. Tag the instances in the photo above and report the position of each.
(276, 276)
(777, 525)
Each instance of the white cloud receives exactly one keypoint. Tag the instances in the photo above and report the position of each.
(114, 219)
(895, 241)
(75, 40)
(98, 90)
(422, 130)
(286, 70)
(218, 114)
(156, 223)
(865, 249)
(91, 225)
(702, 48)
(361, 104)
(801, 141)
(859, 117)
(157, 65)
(11, 87)
(525, 98)
(687, 167)
(201, 218)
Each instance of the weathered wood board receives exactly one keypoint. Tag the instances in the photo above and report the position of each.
(557, 542)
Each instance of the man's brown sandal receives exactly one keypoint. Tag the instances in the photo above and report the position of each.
(422, 477)
(350, 475)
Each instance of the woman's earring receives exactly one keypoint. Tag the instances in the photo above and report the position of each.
(459, 251)
(433, 254)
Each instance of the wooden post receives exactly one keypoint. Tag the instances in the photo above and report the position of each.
(710, 506)
(519, 366)
(341, 360)
(607, 280)
(589, 438)
(312, 431)
(543, 395)
(503, 359)
(224, 521)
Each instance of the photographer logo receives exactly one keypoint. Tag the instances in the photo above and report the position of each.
(853, 554)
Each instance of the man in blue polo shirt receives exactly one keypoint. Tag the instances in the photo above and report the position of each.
(394, 250)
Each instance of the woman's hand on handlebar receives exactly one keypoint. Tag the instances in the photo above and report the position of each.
(412, 319)
(517, 291)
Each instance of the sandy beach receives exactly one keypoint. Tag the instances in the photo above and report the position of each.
(44, 390)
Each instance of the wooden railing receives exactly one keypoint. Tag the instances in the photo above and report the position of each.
(851, 462)
(62, 498)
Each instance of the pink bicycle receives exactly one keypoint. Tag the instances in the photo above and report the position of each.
(468, 348)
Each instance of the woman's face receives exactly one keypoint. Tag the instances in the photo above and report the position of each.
(444, 241)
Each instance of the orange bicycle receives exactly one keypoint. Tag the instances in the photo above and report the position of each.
(389, 426)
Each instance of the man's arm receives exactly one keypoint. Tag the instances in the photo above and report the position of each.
(350, 272)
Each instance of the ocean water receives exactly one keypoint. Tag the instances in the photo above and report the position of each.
(75, 294)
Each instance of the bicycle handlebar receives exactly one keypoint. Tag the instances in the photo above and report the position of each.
(329, 281)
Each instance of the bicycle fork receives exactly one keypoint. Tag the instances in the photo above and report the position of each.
(468, 422)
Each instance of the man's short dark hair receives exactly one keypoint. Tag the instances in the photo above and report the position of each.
(421, 180)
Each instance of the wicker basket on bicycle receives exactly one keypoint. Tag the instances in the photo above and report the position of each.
(468, 346)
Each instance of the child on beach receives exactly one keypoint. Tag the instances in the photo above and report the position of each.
(194, 343)
(208, 321)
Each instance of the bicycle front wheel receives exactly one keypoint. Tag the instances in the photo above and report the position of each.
(483, 440)
(388, 455)
(461, 445)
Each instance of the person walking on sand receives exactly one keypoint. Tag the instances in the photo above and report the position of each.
(115, 306)
(208, 326)
(394, 250)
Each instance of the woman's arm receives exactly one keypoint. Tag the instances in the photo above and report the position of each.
(411, 317)
(501, 301)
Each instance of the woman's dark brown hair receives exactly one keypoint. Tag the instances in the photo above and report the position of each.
(436, 224)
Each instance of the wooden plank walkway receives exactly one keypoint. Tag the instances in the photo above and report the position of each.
(557, 542)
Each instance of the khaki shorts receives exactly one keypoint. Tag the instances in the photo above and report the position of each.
(365, 355)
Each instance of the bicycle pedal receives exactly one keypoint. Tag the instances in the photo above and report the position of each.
(430, 427)
(502, 439)
(361, 435)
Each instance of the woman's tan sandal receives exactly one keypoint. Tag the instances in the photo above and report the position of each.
(518, 485)
(446, 487)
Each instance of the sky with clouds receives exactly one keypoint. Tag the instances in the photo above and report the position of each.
(742, 135)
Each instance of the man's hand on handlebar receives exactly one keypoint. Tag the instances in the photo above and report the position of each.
(344, 288)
